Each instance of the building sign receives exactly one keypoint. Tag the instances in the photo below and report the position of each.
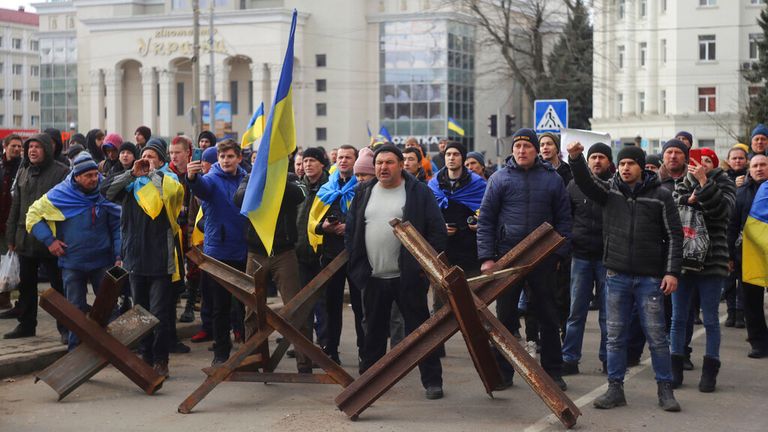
(223, 125)
(426, 140)
(168, 42)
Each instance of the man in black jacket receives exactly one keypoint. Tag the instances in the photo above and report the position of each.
(383, 267)
(587, 268)
(9, 165)
(281, 265)
(757, 331)
(643, 240)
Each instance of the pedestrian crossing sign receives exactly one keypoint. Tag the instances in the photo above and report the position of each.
(550, 115)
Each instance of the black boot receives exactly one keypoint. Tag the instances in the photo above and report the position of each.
(687, 363)
(730, 321)
(612, 398)
(739, 321)
(667, 400)
(709, 371)
(20, 331)
(677, 370)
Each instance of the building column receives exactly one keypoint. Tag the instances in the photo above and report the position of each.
(149, 97)
(165, 79)
(260, 78)
(97, 99)
(113, 79)
(222, 82)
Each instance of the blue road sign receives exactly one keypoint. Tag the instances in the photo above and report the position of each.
(550, 115)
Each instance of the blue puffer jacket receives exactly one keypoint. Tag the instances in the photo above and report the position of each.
(516, 202)
(224, 225)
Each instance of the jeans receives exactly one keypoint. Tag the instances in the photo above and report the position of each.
(585, 274)
(28, 267)
(154, 294)
(76, 287)
(622, 292)
(378, 296)
(542, 303)
(709, 288)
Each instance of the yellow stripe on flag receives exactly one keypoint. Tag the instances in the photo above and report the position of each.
(754, 268)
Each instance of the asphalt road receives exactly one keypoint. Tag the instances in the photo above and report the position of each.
(111, 402)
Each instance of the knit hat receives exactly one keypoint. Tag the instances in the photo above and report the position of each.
(144, 131)
(601, 148)
(159, 147)
(74, 150)
(476, 156)
(210, 155)
(207, 134)
(114, 140)
(760, 129)
(364, 162)
(83, 163)
(388, 148)
(743, 147)
(316, 154)
(525, 134)
(654, 160)
(708, 152)
(553, 136)
(635, 153)
(676, 143)
(129, 146)
(77, 138)
(459, 147)
(686, 135)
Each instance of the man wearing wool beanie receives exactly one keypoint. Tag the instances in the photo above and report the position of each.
(508, 203)
(759, 142)
(674, 155)
(643, 260)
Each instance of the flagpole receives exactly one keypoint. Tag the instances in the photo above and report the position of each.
(212, 99)
(196, 119)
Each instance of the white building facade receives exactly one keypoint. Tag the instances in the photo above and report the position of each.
(662, 66)
(20, 70)
(405, 64)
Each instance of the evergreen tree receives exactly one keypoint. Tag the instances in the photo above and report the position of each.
(570, 67)
(757, 109)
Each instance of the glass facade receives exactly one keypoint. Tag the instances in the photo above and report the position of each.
(58, 83)
(427, 75)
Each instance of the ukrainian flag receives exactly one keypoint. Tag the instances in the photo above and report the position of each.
(454, 126)
(382, 137)
(266, 186)
(255, 128)
(755, 241)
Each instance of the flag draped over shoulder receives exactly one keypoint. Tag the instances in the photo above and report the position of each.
(755, 241)
(323, 200)
(266, 186)
(454, 126)
(66, 200)
(470, 195)
(255, 128)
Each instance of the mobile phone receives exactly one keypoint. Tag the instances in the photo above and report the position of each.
(332, 219)
(197, 155)
(694, 155)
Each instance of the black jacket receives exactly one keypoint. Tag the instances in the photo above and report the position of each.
(745, 195)
(420, 210)
(587, 240)
(642, 233)
(565, 172)
(285, 230)
(716, 199)
(462, 246)
(304, 251)
(332, 244)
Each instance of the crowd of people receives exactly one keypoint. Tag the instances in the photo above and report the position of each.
(73, 213)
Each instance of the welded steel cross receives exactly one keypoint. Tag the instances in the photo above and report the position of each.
(467, 312)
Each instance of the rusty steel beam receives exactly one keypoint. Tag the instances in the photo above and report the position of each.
(276, 377)
(380, 377)
(106, 299)
(82, 363)
(93, 335)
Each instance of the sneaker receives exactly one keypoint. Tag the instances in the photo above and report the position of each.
(179, 348)
(612, 398)
(188, 315)
(570, 368)
(434, 392)
(201, 336)
(530, 348)
(161, 368)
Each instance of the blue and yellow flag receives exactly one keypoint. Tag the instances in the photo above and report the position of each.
(382, 137)
(323, 200)
(255, 128)
(266, 186)
(454, 126)
(754, 260)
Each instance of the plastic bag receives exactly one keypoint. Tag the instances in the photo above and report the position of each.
(9, 272)
(695, 238)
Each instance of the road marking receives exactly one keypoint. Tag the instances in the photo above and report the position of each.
(550, 420)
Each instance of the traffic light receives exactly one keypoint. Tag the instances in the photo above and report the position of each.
(509, 125)
(492, 125)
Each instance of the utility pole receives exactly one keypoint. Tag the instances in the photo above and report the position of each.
(196, 111)
(212, 99)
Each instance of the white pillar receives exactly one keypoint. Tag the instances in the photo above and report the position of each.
(260, 78)
(222, 82)
(149, 97)
(165, 79)
(97, 98)
(113, 79)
